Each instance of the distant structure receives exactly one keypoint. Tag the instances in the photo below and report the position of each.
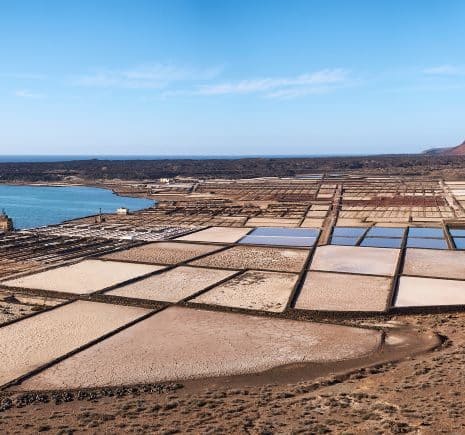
(6, 223)
(122, 210)
(100, 217)
(164, 180)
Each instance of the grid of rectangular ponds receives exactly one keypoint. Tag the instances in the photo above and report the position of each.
(389, 237)
(379, 237)
(297, 237)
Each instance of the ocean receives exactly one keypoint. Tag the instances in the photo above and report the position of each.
(69, 158)
(36, 206)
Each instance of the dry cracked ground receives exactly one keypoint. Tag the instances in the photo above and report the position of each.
(424, 394)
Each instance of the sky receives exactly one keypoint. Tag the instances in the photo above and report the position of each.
(231, 77)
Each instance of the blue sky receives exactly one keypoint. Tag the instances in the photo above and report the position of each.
(231, 76)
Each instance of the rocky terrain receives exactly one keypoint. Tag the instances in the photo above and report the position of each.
(421, 394)
(82, 171)
(458, 150)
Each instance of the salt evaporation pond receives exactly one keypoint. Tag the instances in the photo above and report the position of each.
(36, 206)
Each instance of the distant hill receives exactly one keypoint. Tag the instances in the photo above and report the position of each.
(436, 151)
(459, 150)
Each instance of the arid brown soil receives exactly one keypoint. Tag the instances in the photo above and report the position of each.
(420, 394)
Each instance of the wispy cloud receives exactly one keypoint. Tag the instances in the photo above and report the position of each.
(297, 92)
(445, 70)
(151, 76)
(173, 81)
(24, 93)
(281, 87)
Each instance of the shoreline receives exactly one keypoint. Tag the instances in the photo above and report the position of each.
(83, 184)
(88, 185)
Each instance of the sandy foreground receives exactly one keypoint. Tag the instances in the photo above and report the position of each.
(184, 343)
(35, 341)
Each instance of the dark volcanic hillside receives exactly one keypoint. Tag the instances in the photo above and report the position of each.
(458, 150)
(90, 170)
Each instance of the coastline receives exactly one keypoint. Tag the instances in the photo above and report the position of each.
(83, 184)
(86, 185)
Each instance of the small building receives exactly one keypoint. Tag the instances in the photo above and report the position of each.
(122, 210)
(6, 223)
(100, 218)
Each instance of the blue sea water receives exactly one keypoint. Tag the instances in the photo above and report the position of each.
(36, 206)
(69, 158)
